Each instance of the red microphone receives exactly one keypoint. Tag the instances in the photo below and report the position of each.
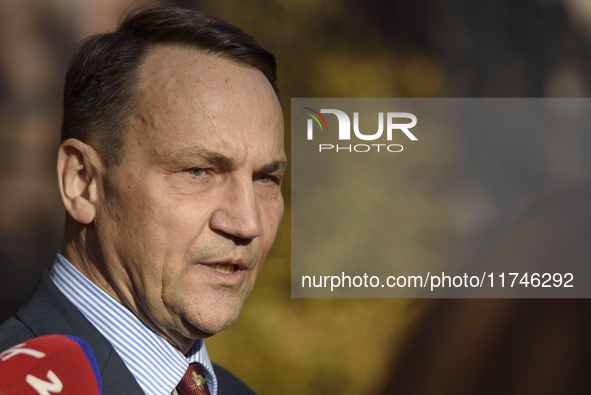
(52, 364)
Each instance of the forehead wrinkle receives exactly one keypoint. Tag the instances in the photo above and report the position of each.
(164, 75)
(187, 90)
(162, 82)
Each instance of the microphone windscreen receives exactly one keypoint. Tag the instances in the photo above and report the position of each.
(52, 364)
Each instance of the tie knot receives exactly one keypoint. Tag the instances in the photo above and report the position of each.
(193, 382)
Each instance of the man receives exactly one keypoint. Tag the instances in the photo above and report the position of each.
(170, 170)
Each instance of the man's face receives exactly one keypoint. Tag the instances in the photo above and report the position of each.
(187, 217)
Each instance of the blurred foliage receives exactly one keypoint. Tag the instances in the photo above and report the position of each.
(281, 345)
(326, 48)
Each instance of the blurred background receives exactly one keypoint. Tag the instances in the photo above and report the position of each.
(355, 48)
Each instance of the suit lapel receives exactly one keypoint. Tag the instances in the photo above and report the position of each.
(49, 311)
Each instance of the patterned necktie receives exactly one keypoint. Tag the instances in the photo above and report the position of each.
(193, 382)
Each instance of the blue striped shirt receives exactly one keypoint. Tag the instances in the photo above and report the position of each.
(156, 364)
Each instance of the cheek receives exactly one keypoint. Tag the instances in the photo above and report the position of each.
(143, 225)
(271, 214)
(171, 215)
(274, 211)
(176, 225)
(180, 220)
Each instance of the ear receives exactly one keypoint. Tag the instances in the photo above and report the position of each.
(79, 169)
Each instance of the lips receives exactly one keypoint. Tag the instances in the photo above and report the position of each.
(228, 266)
(224, 268)
(225, 272)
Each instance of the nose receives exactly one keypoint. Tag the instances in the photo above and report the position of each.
(238, 212)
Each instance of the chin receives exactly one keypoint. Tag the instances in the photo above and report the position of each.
(211, 329)
(214, 319)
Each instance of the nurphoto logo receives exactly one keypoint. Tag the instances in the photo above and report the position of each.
(344, 132)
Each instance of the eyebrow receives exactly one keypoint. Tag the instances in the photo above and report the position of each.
(278, 165)
(214, 158)
(220, 160)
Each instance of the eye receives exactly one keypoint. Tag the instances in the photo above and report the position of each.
(266, 178)
(197, 172)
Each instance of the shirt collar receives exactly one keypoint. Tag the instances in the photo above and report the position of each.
(156, 364)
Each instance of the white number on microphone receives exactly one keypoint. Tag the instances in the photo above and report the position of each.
(54, 385)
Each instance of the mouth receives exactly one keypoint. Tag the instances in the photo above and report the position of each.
(225, 272)
(225, 268)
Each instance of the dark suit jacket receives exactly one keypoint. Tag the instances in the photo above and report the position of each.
(48, 311)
